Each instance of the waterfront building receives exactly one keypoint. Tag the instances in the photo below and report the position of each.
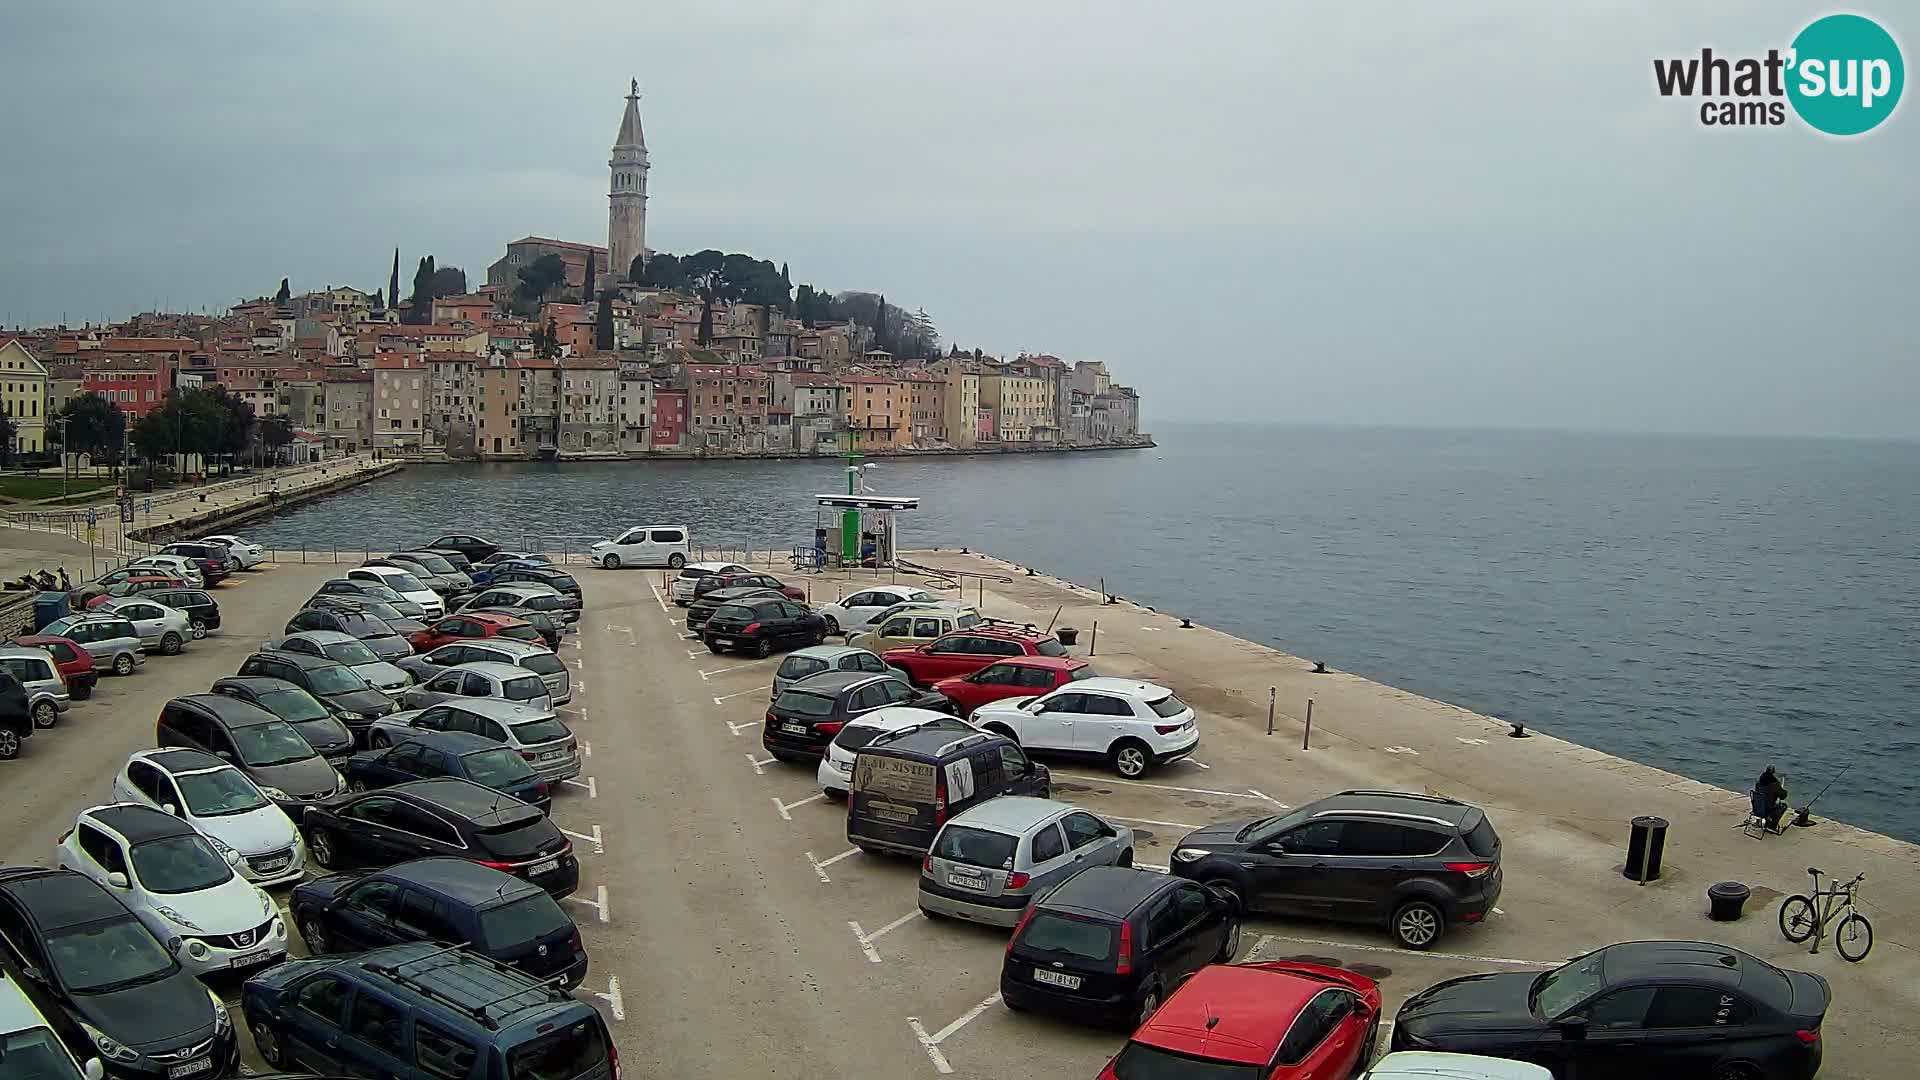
(669, 426)
(497, 412)
(23, 396)
(137, 383)
(876, 413)
(1022, 405)
(349, 408)
(539, 380)
(727, 406)
(636, 407)
(926, 403)
(451, 401)
(589, 405)
(399, 402)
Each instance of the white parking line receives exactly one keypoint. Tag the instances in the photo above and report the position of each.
(784, 807)
(599, 905)
(820, 868)
(1150, 821)
(724, 670)
(1321, 943)
(586, 748)
(866, 940)
(599, 845)
(1247, 794)
(1262, 795)
(593, 789)
(658, 599)
(1201, 764)
(615, 1003)
(692, 655)
(932, 1042)
(741, 693)
(738, 728)
(759, 766)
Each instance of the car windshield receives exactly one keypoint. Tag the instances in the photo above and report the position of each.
(524, 688)
(179, 864)
(545, 729)
(542, 663)
(107, 955)
(323, 731)
(350, 652)
(379, 609)
(34, 1054)
(799, 667)
(403, 581)
(261, 745)
(1049, 647)
(432, 562)
(804, 703)
(293, 705)
(381, 592)
(560, 1055)
(1138, 1061)
(1566, 986)
(362, 626)
(1167, 706)
(335, 680)
(1068, 935)
(523, 922)
(976, 847)
(220, 792)
(496, 768)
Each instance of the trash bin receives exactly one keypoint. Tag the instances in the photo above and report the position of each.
(48, 607)
(1725, 899)
(1645, 845)
(1067, 635)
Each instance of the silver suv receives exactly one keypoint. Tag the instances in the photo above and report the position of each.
(990, 861)
(46, 691)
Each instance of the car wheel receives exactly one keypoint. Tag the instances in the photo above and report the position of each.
(46, 714)
(1131, 759)
(833, 624)
(611, 562)
(1004, 732)
(379, 740)
(83, 691)
(321, 848)
(1417, 924)
(1229, 946)
(123, 664)
(170, 644)
(1149, 1004)
(763, 648)
(315, 935)
(676, 560)
(9, 744)
(356, 786)
(199, 629)
(1737, 1070)
(265, 1041)
(1125, 859)
(819, 637)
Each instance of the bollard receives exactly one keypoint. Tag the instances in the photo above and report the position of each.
(1095, 643)
(1306, 733)
(1273, 692)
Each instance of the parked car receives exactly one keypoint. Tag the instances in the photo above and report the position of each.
(16, 722)
(352, 701)
(451, 901)
(500, 557)
(835, 773)
(138, 585)
(198, 605)
(215, 564)
(174, 881)
(160, 628)
(220, 801)
(803, 720)
(814, 659)
(426, 753)
(524, 596)
(1281, 1020)
(70, 658)
(907, 783)
(682, 587)
(442, 816)
(967, 651)
(481, 679)
(308, 715)
(1425, 1065)
(368, 587)
(703, 608)
(178, 566)
(1019, 676)
(988, 862)
(409, 588)
(909, 626)
(272, 754)
(1110, 943)
(111, 640)
(551, 576)
(1418, 864)
(543, 624)
(749, 579)
(397, 624)
(760, 626)
(441, 585)
(436, 566)
(1644, 1008)
(245, 554)
(34, 670)
(108, 986)
(346, 649)
(80, 595)
(1134, 726)
(470, 1017)
(385, 642)
(31, 1048)
(473, 547)
(454, 556)
(467, 626)
(855, 611)
(532, 656)
(643, 545)
(540, 737)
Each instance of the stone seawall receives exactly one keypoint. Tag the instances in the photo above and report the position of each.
(1145, 442)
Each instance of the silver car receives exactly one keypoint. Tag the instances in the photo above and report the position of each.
(46, 690)
(500, 650)
(160, 627)
(814, 659)
(542, 739)
(989, 862)
(112, 641)
(349, 650)
(483, 679)
(524, 594)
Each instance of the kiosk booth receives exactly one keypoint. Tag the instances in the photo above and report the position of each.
(857, 530)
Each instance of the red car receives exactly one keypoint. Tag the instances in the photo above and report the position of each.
(1274, 1021)
(966, 651)
(70, 659)
(475, 624)
(1016, 676)
(135, 585)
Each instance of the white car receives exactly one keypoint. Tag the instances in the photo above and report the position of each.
(245, 554)
(643, 545)
(178, 886)
(1429, 1065)
(857, 611)
(36, 1052)
(692, 572)
(835, 773)
(173, 566)
(1134, 726)
(409, 587)
(160, 627)
(220, 801)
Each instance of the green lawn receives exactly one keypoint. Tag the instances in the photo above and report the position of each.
(29, 486)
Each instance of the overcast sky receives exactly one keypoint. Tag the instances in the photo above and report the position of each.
(1431, 214)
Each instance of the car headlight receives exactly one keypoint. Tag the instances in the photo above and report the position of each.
(266, 902)
(339, 781)
(108, 1046)
(221, 1021)
(275, 794)
(1189, 854)
(175, 917)
(353, 716)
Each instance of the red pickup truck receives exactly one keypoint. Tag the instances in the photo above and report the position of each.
(966, 651)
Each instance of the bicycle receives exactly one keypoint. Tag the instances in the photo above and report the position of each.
(1803, 917)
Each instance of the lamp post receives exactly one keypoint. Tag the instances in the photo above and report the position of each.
(60, 425)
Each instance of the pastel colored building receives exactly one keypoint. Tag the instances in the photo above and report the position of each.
(23, 396)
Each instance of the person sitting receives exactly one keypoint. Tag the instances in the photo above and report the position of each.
(1769, 797)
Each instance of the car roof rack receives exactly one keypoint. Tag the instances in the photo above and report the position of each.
(1405, 795)
(397, 973)
(965, 740)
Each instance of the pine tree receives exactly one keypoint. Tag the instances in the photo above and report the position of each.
(393, 282)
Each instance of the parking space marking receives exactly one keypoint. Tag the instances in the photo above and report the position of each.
(586, 748)
(692, 654)
(580, 685)
(599, 845)
(1249, 793)
(658, 599)
(1263, 795)
(820, 867)
(1201, 764)
(931, 1043)
(1322, 943)
(593, 789)
(866, 939)
(738, 728)
(615, 1003)
(741, 693)
(724, 670)
(1150, 821)
(759, 765)
(783, 807)
(598, 904)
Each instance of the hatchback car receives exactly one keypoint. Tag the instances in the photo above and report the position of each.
(429, 753)
(538, 574)
(814, 659)
(312, 719)
(1134, 726)
(1418, 864)
(171, 877)
(541, 738)
(385, 642)
(451, 901)
(682, 587)
(480, 679)
(179, 566)
(466, 626)
(989, 862)
(1019, 676)
(1275, 1021)
(527, 595)
(410, 588)
(533, 656)
(371, 587)
(757, 627)
(219, 800)
(70, 658)
(543, 623)
(1110, 943)
(397, 624)
(353, 702)
(643, 545)
(803, 720)
(855, 612)
(112, 641)
(750, 579)
(199, 606)
(272, 754)
(707, 603)
(108, 986)
(46, 690)
(835, 774)
(245, 554)
(345, 649)
(445, 584)
(443, 816)
(161, 628)
(438, 566)
(138, 585)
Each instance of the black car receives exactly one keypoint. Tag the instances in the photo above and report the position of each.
(1640, 1008)
(454, 557)
(806, 717)
(707, 603)
(314, 721)
(1112, 942)
(473, 547)
(214, 560)
(16, 720)
(353, 701)
(201, 609)
(450, 753)
(446, 900)
(760, 626)
(443, 816)
(274, 756)
(87, 962)
(357, 587)
(402, 625)
(1414, 863)
(384, 641)
(546, 625)
(558, 580)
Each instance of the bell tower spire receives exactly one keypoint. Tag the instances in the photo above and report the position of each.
(627, 190)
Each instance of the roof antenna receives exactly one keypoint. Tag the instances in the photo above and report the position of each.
(1212, 1019)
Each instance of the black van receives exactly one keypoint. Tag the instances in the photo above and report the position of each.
(907, 783)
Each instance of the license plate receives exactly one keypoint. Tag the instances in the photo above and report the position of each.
(191, 1068)
(273, 866)
(1054, 978)
(725, 643)
(794, 729)
(546, 867)
(258, 956)
(549, 755)
(972, 884)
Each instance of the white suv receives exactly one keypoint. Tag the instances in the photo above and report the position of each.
(643, 545)
(1135, 726)
(858, 611)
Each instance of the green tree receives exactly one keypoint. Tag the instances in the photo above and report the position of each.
(155, 435)
(446, 281)
(379, 300)
(284, 294)
(537, 279)
(586, 288)
(603, 323)
(8, 433)
(92, 425)
(393, 281)
(275, 433)
(546, 340)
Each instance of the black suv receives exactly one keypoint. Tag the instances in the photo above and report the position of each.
(353, 700)
(1112, 942)
(16, 721)
(804, 719)
(1416, 863)
(443, 816)
(445, 900)
(758, 626)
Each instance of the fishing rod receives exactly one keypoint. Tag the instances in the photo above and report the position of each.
(1805, 818)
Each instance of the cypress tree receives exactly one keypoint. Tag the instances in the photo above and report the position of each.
(586, 291)
(393, 282)
(284, 294)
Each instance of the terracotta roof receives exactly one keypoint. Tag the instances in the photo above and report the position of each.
(147, 344)
(867, 380)
(567, 244)
(395, 362)
(590, 363)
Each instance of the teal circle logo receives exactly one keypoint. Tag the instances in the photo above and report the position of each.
(1846, 74)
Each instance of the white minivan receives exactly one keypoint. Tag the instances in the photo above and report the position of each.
(643, 545)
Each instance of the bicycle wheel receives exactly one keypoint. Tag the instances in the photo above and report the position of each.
(1796, 918)
(1853, 937)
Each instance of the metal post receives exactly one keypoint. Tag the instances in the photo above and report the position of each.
(1306, 734)
(1646, 860)
(1272, 692)
(1095, 643)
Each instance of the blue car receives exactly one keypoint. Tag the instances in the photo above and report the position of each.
(450, 753)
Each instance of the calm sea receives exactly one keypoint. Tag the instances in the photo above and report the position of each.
(1706, 605)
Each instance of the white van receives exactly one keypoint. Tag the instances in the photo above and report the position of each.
(643, 545)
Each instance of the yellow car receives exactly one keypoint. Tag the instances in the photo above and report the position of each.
(913, 625)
